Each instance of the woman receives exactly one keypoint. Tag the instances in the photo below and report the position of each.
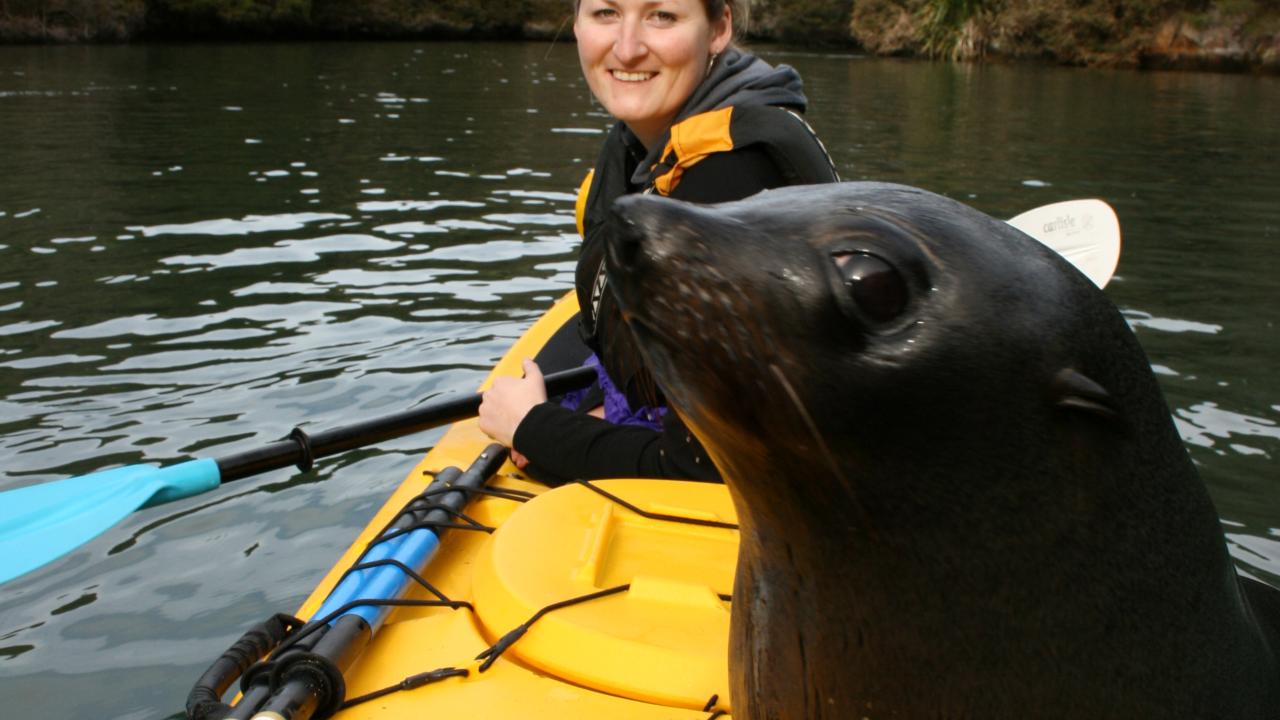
(698, 120)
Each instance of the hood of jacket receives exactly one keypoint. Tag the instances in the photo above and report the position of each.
(736, 79)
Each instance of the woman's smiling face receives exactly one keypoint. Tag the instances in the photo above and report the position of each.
(643, 58)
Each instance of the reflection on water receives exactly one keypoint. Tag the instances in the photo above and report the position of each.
(197, 253)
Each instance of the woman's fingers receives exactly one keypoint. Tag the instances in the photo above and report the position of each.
(505, 404)
(533, 372)
(518, 459)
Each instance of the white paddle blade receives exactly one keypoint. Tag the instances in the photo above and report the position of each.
(1085, 232)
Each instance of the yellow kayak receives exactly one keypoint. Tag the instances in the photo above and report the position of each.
(600, 600)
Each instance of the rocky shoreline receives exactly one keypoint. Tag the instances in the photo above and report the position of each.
(1225, 36)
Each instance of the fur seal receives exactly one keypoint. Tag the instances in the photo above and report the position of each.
(960, 490)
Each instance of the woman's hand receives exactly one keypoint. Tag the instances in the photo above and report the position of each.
(507, 401)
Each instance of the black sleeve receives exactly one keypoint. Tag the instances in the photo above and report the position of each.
(563, 445)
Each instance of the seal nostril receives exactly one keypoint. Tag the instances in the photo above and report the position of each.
(628, 250)
(625, 244)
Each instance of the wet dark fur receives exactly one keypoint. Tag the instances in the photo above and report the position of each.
(977, 509)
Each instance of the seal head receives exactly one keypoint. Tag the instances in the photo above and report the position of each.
(959, 487)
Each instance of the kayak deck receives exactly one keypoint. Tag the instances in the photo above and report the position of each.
(649, 640)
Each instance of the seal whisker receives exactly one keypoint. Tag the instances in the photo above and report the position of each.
(827, 455)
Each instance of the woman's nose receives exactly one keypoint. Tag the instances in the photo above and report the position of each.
(629, 46)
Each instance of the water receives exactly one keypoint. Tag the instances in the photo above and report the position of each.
(201, 247)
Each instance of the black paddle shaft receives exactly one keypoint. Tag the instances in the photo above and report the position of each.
(302, 449)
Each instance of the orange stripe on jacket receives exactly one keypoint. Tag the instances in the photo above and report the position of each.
(692, 140)
(580, 204)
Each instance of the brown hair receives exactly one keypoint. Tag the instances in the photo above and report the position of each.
(740, 10)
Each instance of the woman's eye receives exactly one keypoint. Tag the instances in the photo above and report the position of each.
(879, 290)
(664, 17)
(605, 14)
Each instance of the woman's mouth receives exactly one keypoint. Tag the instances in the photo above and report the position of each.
(629, 76)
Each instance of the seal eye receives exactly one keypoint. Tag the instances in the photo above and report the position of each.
(878, 289)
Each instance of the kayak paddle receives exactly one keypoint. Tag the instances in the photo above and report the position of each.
(1085, 232)
(40, 523)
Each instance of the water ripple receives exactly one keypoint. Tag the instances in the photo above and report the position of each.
(1210, 426)
(287, 251)
(245, 226)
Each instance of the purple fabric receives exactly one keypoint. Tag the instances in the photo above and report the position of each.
(616, 408)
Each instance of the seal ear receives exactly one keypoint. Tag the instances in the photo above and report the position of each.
(1073, 390)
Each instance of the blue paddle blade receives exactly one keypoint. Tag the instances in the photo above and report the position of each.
(40, 523)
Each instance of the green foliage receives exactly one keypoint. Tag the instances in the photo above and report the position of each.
(803, 21)
(954, 13)
(392, 18)
(63, 20)
(238, 11)
(952, 28)
(226, 17)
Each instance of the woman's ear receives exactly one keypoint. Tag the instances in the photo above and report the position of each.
(722, 31)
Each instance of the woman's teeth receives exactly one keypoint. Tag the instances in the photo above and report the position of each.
(632, 76)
